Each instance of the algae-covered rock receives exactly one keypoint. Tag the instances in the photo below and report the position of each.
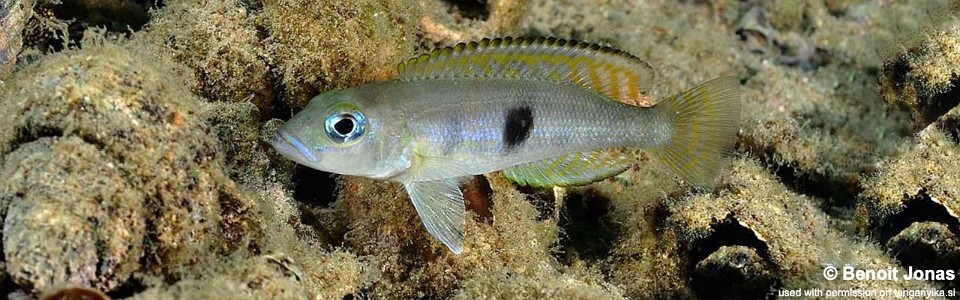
(784, 228)
(922, 80)
(71, 292)
(219, 42)
(115, 171)
(235, 125)
(926, 245)
(950, 123)
(645, 256)
(322, 45)
(735, 272)
(509, 257)
(498, 285)
(445, 23)
(930, 169)
(12, 20)
(912, 200)
(334, 275)
(71, 217)
(135, 128)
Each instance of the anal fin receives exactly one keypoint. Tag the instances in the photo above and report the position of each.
(571, 169)
(440, 206)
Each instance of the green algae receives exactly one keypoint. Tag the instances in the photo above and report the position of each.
(123, 113)
(331, 44)
(64, 198)
(221, 45)
(922, 79)
(153, 149)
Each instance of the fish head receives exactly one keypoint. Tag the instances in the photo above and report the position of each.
(346, 132)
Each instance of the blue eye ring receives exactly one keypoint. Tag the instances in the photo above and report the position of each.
(345, 126)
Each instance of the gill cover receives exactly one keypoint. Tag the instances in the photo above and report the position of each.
(345, 132)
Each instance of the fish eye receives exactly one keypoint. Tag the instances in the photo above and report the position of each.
(342, 127)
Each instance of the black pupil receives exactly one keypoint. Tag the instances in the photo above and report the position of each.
(344, 126)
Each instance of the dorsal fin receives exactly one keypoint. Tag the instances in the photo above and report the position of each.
(611, 72)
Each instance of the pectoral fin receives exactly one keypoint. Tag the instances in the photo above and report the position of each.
(572, 169)
(440, 206)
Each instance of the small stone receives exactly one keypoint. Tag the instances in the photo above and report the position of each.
(70, 219)
(733, 272)
(926, 245)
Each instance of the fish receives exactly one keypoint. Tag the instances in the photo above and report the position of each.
(544, 111)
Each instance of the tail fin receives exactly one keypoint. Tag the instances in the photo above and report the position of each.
(706, 120)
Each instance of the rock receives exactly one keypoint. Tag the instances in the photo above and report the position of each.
(110, 152)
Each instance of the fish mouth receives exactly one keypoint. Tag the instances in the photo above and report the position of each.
(290, 146)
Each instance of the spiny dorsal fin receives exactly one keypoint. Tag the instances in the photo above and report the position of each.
(611, 72)
(571, 169)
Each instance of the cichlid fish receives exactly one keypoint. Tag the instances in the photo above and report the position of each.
(547, 112)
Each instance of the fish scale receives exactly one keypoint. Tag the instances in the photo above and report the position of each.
(600, 123)
(547, 112)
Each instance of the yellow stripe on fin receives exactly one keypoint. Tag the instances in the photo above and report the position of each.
(607, 71)
(572, 169)
(705, 120)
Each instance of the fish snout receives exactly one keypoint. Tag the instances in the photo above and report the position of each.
(293, 148)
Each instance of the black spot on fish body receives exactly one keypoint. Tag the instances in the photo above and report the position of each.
(517, 126)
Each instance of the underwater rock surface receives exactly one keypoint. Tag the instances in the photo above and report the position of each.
(63, 190)
(219, 43)
(320, 45)
(923, 80)
(104, 150)
(12, 20)
(134, 159)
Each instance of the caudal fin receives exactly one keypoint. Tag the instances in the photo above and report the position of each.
(706, 120)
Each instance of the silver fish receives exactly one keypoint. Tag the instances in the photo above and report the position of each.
(547, 112)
